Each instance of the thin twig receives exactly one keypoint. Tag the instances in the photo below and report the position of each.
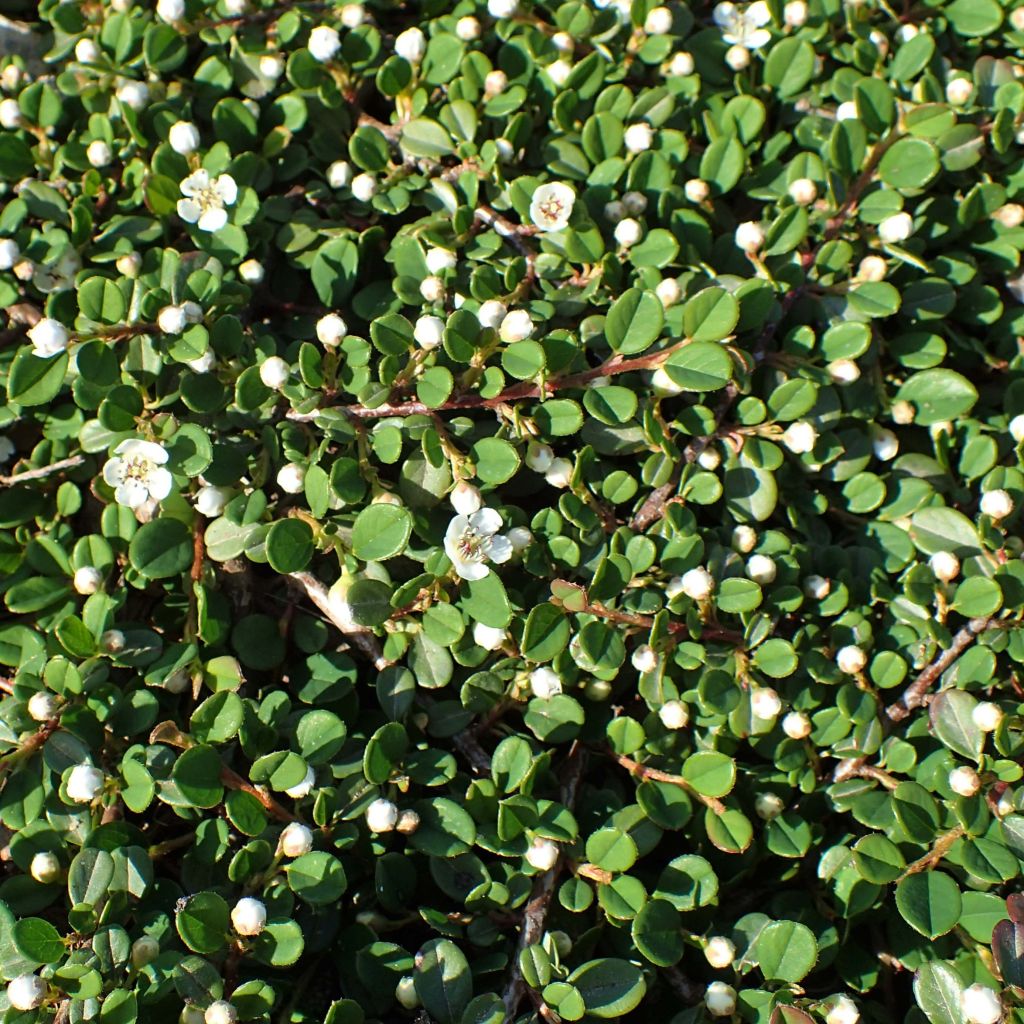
(464, 741)
(642, 771)
(731, 636)
(935, 854)
(230, 778)
(42, 471)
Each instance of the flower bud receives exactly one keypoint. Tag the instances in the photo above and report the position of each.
(997, 504)
(768, 806)
(720, 951)
(296, 840)
(668, 291)
(539, 457)
(492, 313)
(339, 174)
(709, 459)
(364, 187)
(405, 990)
(1010, 215)
(42, 706)
(674, 714)
(98, 153)
(696, 190)
(698, 584)
(851, 659)
(45, 867)
(794, 14)
(542, 854)
(10, 114)
(408, 822)
(411, 44)
(800, 437)
(737, 57)
(980, 1005)
(638, 137)
(545, 683)
(885, 444)
(26, 992)
(959, 90)
(490, 638)
(903, 413)
(897, 228)
(84, 784)
(171, 320)
(183, 137)
(502, 8)
(628, 232)
(381, 815)
(304, 786)
(274, 372)
(353, 15)
(112, 641)
(468, 29)
(645, 658)
(145, 950)
(964, 781)
(681, 65)
(330, 330)
(9, 253)
(429, 331)
(765, 703)
(803, 191)
(324, 43)
(750, 237)
(843, 1011)
(796, 725)
(432, 289)
(761, 569)
(519, 537)
(221, 1011)
(872, 268)
(945, 565)
(720, 999)
(658, 21)
(291, 478)
(987, 716)
(843, 371)
(744, 538)
(559, 473)
(248, 916)
(86, 51)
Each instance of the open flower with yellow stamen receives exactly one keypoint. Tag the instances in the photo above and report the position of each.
(551, 206)
(205, 199)
(471, 541)
(136, 472)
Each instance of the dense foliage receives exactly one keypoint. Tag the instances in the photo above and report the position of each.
(512, 513)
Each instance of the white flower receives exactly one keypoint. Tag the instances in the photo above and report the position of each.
(136, 472)
(112, 641)
(86, 51)
(271, 65)
(987, 716)
(958, 91)
(211, 501)
(205, 199)
(45, 867)
(551, 205)
(274, 372)
(9, 253)
(674, 714)
(429, 331)
(794, 14)
(465, 498)
(559, 72)
(408, 822)
(98, 153)
(468, 29)
(432, 289)
(171, 320)
(668, 291)
(765, 703)
(439, 260)
(87, 580)
(412, 45)
(720, 951)
(291, 478)
(998, 504)
(843, 371)
(851, 659)
(744, 27)
(324, 43)
(470, 541)
(26, 992)
(183, 137)
(964, 781)
(628, 232)
(980, 1005)
(843, 1011)
(658, 21)
(515, 326)
(800, 437)
(221, 1012)
(353, 15)
(945, 565)
(698, 584)
(330, 329)
(639, 137)
(502, 8)
(170, 10)
(296, 840)
(645, 658)
(251, 272)
(48, 337)
(681, 64)
(42, 706)
(768, 806)
(85, 783)
(491, 313)
(750, 236)
(542, 854)
(134, 95)
(761, 569)
(545, 683)
(248, 916)
(559, 473)
(719, 998)
(145, 949)
(303, 787)
(520, 538)
(896, 228)
(744, 538)
(381, 815)
(803, 191)
(10, 114)
(490, 638)
(364, 187)
(796, 725)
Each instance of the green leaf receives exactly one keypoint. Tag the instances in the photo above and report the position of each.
(929, 901)
(785, 951)
(37, 940)
(161, 548)
(317, 878)
(289, 545)
(710, 315)
(546, 633)
(950, 713)
(197, 775)
(380, 532)
(938, 395)
(443, 980)
(634, 321)
(203, 922)
(710, 772)
(35, 381)
(610, 988)
(937, 988)
(700, 366)
(657, 933)
(611, 849)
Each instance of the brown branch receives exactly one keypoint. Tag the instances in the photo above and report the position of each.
(914, 695)
(43, 471)
(513, 234)
(536, 912)
(691, 992)
(646, 622)
(835, 224)
(935, 854)
(871, 771)
(233, 780)
(642, 771)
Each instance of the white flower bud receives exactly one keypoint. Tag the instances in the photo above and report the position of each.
(681, 65)
(698, 584)
(545, 683)
(1017, 18)
(803, 191)
(85, 783)
(964, 781)
(768, 806)
(490, 638)
(796, 725)
(658, 21)
(324, 43)
(945, 565)
(539, 457)
(49, 337)
(1010, 215)
(696, 190)
(843, 1011)
(800, 437)
(135, 95)
(205, 363)
(1006, 803)
(465, 498)
(330, 330)
(980, 1005)
(468, 29)
(628, 232)
(843, 371)
(251, 272)
(765, 703)
(9, 253)
(42, 706)
(563, 42)
(221, 1011)
(411, 44)
(98, 153)
(248, 916)
(997, 504)
(381, 815)
(542, 854)
(274, 372)
(495, 83)
(761, 569)
(885, 444)
(87, 580)
(645, 658)
(171, 320)
(408, 822)
(183, 137)
(720, 951)
(170, 10)
(145, 949)
(129, 264)
(668, 291)
(353, 15)
(339, 174)
(709, 459)
(364, 187)
(872, 268)
(987, 716)
(519, 537)
(10, 114)
(305, 786)
(439, 260)
(959, 90)
(674, 588)
(720, 999)
(112, 641)
(211, 501)
(515, 326)
(846, 111)
(272, 66)
(86, 51)
(794, 14)
(902, 412)
(737, 57)
(851, 659)
(291, 478)
(896, 228)
(1017, 423)
(405, 990)
(45, 867)
(750, 237)
(26, 992)
(428, 331)
(744, 538)
(296, 840)
(491, 314)
(432, 289)
(559, 473)
(559, 72)
(502, 8)
(674, 714)
(639, 137)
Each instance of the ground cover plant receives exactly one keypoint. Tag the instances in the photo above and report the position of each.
(511, 512)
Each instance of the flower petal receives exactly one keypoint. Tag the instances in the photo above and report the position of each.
(150, 451)
(487, 521)
(724, 14)
(472, 570)
(131, 493)
(113, 472)
(226, 188)
(195, 182)
(758, 13)
(213, 219)
(501, 549)
(159, 483)
(456, 528)
(758, 38)
(189, 210)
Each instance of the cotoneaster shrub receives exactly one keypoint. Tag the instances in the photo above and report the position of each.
(512, 513)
